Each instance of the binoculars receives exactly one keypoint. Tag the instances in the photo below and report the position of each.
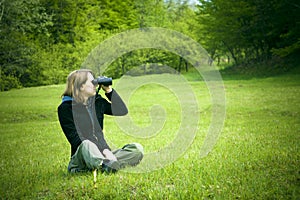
(102, 80)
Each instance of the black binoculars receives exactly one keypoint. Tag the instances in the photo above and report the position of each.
(102, 80)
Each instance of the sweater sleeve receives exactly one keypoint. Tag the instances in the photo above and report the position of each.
(117, 107)
(67, 124)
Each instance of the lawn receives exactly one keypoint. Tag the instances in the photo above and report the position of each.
(257, 155)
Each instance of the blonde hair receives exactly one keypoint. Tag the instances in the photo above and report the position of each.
(74, 82)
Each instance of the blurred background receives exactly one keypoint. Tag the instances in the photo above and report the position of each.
(41, 41)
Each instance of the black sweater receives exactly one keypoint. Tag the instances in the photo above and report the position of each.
(85, 122)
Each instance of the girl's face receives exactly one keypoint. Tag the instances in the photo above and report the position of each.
(88, 88)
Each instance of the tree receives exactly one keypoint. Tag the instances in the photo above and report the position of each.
(250, 30)
(21, 22)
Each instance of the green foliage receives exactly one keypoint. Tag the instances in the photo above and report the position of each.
(40, 40)
(250, 30)
(288, 50)
(144, 61)
(8, 82)
(118, 14)
(20, 24)
(49, 38)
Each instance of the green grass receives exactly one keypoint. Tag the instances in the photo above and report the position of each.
(257, 155)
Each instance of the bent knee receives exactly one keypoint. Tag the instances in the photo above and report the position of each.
(134, 147)
(139, 147)
(87, 143)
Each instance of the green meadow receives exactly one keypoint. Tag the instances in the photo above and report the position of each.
(257, 155)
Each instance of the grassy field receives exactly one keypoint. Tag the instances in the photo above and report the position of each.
(257, 155)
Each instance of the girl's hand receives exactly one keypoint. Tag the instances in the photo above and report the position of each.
(107, 89)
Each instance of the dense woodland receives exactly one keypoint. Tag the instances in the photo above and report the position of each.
(43, 40)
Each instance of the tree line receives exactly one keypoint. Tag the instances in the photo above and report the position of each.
(41, 41)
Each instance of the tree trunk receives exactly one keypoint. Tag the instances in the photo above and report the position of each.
(186, 66)
(228, 59)
(123, 65)
(231, 52)
(179, 66)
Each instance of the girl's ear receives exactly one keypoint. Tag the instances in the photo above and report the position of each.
(82, 87)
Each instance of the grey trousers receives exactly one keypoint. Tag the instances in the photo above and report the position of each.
(88, 157)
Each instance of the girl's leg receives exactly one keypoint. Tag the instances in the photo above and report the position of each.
(130, 154)
(86, 158)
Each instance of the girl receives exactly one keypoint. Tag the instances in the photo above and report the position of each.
(81, 115)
